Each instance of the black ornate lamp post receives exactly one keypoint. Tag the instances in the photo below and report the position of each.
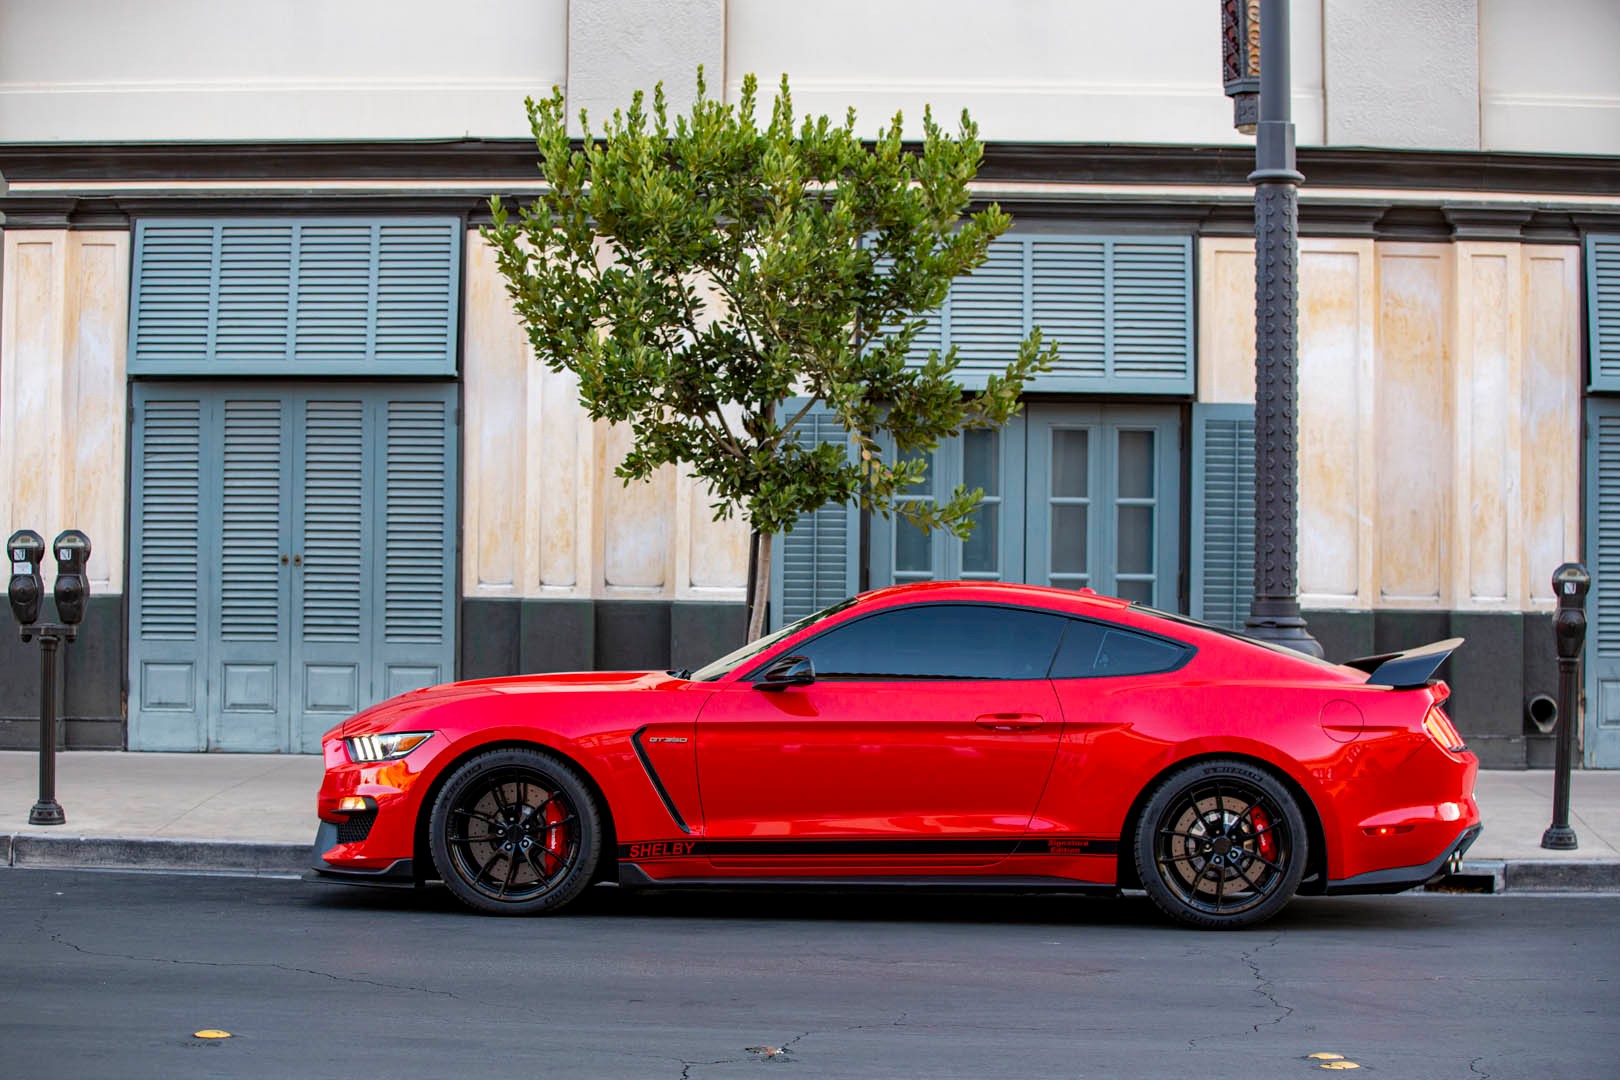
(1240, 60)
(1274, 613)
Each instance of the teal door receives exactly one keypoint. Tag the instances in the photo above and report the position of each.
(1104, 503)
(1602, 666)
(1075, 496)
(292, 558)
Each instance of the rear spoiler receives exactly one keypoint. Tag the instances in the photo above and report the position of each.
(1406, 670)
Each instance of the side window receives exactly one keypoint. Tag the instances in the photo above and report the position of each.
(1092, 651)
(944, 641)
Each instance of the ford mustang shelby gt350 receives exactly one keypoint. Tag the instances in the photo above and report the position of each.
(943, 733)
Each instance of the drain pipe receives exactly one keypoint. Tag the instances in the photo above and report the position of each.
(1542, 712)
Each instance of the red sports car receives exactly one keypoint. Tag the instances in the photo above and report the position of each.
(945, 733)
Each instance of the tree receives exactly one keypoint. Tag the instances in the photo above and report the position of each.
(695, 274)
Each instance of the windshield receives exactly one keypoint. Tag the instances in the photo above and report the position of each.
(732, 660)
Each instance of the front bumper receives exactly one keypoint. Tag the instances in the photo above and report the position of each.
(1401, 878)
(397, 874)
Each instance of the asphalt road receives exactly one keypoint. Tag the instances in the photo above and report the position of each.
(109, 974)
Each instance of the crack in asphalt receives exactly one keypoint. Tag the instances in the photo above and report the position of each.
(1263, 985)
(1473, 1067)
(56, 938)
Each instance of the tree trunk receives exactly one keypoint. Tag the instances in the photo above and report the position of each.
(761, 581)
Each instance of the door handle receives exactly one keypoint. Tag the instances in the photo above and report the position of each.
(1009, 721)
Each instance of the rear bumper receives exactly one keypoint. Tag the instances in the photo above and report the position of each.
(1401, 878)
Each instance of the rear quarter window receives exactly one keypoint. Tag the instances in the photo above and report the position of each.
(1096, 651)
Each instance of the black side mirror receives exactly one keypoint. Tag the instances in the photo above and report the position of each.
(786, 672)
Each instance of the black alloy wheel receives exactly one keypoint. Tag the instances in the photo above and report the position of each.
(1221, 845)
(515, 832)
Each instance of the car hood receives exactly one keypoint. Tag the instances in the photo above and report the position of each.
(381, 715)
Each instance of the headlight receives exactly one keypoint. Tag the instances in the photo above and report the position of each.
(364, 749)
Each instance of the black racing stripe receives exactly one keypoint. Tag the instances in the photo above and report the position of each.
(658, 785)
(943, 846)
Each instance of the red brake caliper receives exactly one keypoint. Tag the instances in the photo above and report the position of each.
(556, 839)
(1262, 825)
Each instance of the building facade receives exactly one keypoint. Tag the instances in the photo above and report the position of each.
(252, 343)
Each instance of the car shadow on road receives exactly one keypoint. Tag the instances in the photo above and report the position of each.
(939, 906)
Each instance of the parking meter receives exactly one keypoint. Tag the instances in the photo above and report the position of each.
(26, 549)
(1571, 583)
(72, 549)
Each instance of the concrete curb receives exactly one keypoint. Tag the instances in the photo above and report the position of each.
(1533, 875)
(153, 853)
(1585, 875)
(265, 857)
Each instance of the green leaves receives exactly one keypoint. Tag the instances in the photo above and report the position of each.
(696, 271)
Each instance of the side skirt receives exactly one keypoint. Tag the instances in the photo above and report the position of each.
(632, 876)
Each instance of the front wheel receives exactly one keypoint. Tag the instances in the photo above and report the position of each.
(515, 832)
(1221, 845)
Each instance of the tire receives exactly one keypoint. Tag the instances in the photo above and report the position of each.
(515, 832)
(1221, 845)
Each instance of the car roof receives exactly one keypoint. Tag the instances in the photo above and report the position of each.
(1085, 602)
(1076, 602)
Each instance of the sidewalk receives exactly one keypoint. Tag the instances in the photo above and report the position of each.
(255, 813)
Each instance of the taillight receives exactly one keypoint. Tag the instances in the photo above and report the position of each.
(1442, 730)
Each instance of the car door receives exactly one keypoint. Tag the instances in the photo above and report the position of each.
(925, 739)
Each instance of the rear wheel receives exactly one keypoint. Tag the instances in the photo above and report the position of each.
(515, 832)
(1221, 845)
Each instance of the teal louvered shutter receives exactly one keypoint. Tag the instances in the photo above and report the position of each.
(332, 296)
(248, 676)
(1119, 308)
(331, 582)
(1602, 667)
(814, 564)
(292, 558)
(1603, 310)
(251, 306)
(168, 581)
(1222, 513)
(1150, 315)
(295, 296)
(415, 321)
(172, 316)
(1069, 286)
(989, 311)
(414, 611)
(374, 597)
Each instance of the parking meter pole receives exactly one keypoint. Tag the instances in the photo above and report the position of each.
(1570, 584)
(47, 811)
(1559, 836)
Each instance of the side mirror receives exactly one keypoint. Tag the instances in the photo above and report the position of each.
(786, 672)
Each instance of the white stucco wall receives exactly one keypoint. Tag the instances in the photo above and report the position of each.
(1032, 70)
(1549, 74)
(616, 47)
(1516, 75)
(1402, 73)
(99, 70)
